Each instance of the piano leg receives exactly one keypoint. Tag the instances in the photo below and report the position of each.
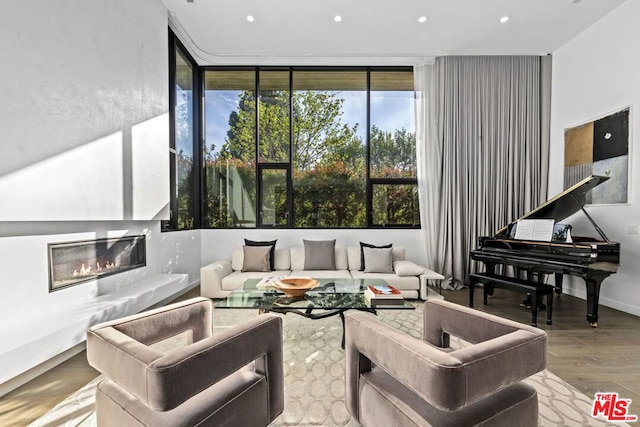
(531, 277)
(549, 308)
(487, 291)
(593, 297)
(472, 285)
(558, 277)
(534, 309)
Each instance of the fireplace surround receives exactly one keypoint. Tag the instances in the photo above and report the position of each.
(71, 263)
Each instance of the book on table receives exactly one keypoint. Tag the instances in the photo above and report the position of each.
(383, 295)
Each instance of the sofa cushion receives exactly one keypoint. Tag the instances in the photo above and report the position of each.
(398, 253)
(237, 258)
(271, 243)
(282, 260)
(377, 260)
(353, 256)
(367, 245)
(387, 401)
(319, 254)
(407, 268)
(256, 258)
(297, 258)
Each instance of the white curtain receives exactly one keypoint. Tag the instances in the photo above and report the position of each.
(482, 160)
(428, 154)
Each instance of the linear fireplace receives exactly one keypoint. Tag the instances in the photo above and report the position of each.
(71, 263)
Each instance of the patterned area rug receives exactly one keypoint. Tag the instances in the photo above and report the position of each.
(314, 378)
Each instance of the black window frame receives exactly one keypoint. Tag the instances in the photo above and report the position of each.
(171, 224)
(199, 186)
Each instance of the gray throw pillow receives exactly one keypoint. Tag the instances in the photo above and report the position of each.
(378, 260)
(256, 258)
(319, 254)
(367, 245)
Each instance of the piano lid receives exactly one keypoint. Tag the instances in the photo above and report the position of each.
(565, 204)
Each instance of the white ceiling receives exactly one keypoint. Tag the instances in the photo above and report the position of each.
(374, 32)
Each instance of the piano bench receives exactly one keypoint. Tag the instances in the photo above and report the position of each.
(535, 289)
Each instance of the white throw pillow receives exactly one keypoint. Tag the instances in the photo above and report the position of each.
(377, 260)
(407, 268)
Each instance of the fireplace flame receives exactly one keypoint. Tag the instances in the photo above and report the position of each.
(87, 270)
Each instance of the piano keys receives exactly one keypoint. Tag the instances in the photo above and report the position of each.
(591, 259)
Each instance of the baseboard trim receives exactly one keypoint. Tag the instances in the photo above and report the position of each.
(617, 305)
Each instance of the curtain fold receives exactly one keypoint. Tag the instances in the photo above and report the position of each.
(482, 160)
(428, 163)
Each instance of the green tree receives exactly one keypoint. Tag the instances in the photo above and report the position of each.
(184, 171)
(328, 164)
(319, 136)
(318, 132)
(393, 154)
(328, 156)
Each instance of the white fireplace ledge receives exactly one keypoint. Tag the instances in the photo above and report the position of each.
(26, 345)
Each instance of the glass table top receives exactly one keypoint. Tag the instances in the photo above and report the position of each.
(330, 294)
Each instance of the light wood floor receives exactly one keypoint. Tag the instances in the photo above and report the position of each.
(606, 358)
(602, 359)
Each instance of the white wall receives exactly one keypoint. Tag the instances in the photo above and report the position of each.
(218, 244)
(83, 144)
(83, 111)
(596, 73)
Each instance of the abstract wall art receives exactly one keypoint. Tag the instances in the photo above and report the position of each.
(600, 147)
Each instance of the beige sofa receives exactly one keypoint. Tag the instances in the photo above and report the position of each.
(219, 278)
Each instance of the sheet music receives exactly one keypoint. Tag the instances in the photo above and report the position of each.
(535, 229)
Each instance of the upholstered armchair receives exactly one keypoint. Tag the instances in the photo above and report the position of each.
(395, 379)
(232, 378)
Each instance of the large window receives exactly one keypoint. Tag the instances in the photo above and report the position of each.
(230, 149)
(329, 134)
(299, 147)
(392, 142)
(182, 138)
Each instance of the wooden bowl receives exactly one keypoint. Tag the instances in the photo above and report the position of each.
(295, 286)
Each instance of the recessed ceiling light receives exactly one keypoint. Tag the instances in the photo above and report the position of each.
(504, 19)
(422, 19)
(337, 18)
(250, 18)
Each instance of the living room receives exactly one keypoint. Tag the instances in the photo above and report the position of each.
(85, 147)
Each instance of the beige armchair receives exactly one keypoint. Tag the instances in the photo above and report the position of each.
(395, 379)
(232, 378)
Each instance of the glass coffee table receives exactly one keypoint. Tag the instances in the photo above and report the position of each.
(331, 297)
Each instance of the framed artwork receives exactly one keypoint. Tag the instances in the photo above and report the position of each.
(600, 147)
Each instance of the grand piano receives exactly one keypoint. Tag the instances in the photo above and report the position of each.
(591, 259)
